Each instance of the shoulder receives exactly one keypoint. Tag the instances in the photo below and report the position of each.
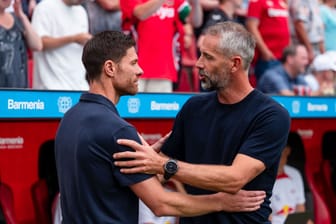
(301, 80)
(270, 107)
(199, 102)
(201, 97)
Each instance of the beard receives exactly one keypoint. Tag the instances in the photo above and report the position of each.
(207, 84)
(211, 82)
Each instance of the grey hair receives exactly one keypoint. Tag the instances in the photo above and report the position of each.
(234, 40)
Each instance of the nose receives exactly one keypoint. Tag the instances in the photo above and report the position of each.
(140, 71)
(199, 64)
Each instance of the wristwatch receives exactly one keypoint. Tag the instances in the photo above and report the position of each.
(170, 168)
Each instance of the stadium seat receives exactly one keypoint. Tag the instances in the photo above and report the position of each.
(314, 198)
(41, 202)
(7, 203)
(328, 170)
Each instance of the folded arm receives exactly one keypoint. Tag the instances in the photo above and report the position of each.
(212, 177)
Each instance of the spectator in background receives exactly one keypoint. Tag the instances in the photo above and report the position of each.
(206, 6)
(156, 23)
(63, 27)
(288, 191)
(225, 11)
(307, 26)
(103, 15)
(328, 15)
(187, 74)
(322, 76)
(288, 77)
(16, 33)
(268, 21)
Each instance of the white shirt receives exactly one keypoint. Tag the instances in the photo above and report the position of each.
(60, 68)
(288, 191)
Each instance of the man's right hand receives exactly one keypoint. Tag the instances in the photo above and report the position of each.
(242, 201)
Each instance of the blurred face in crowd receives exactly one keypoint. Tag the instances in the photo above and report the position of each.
(4, 4)
(299, 61)
(214, 67)
(128, 71)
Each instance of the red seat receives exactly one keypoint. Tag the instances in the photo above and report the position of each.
(330, 195)
(312, 180)
(7, 203)
(322, 213)
(41, 202)
(326, 170)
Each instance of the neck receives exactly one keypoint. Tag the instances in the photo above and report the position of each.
(228, 8)
(281, 170)
(99, 87)
(238, 89)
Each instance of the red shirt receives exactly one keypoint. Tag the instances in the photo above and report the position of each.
(273, 23)
(155, 38)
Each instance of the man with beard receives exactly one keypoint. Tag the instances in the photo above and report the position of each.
(92, 188)
(224, 140)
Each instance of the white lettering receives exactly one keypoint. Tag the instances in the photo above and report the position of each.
(11, 143)
(317, 107)
(8, 141)
(164, 106)
(25, 105)
(163, 13)
(305, 133)
(277, 13)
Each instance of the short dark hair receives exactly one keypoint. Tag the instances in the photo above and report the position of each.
(290, 50)
(107, 45)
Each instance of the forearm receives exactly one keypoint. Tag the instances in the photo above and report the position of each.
(145, 10)
(33, 40)
(196, 15)
(50, 43)
(176, 204)
(302, 34)
(218, 178)
(252, 26)
(211, 177)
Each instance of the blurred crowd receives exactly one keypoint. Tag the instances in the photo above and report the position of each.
(41, 41)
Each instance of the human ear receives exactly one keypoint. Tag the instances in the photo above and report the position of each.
(109, 68)
(236, 63)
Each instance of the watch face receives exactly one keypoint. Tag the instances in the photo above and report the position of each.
(171, 166)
